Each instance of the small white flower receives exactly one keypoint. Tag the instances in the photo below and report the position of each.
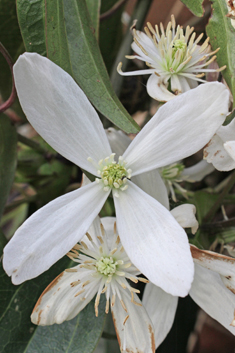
(103, 269)
(61, 113)
(231, 11)
(176, 62)
(220, 151)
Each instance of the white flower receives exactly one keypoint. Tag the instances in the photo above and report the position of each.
(174, 59)
(103, 269)
(63, 116)
(220, 151)
(231, 11)
(213, 290)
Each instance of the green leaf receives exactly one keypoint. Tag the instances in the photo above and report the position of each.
(195, 6)
(222, 35)
(94, 11)
(8, 144)
(3, 241)
(12, 41)
(31, 21)
(56, 41)
(16, 305)
(79, 335)
(88, 67)
(203, 201)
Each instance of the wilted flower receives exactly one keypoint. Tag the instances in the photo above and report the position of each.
(60, 112)
(103, 269)
(220, 151)
(176, 62)
(213, 290)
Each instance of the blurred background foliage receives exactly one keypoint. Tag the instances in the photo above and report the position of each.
(88, 39)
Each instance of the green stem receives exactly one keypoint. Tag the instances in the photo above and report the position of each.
(220, 199)
(30, 143)
(140, 12)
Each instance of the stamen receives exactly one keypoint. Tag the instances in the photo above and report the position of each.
(75, 283)
(85, 283)
(84, 245)
(123, 305)
(71, 270)
(107, 306)
(80, 292)
(125, 320)
(113, 300)
(102, 229)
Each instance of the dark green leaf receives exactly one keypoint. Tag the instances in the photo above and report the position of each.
(195, 6)
(79, 335)
(88, 67)
(56, 41)
(3, 241)
(31, 21)
(8, 144)
(12, 41)
(222, 35)
(16, 305)
(94, 11)
(203, 201)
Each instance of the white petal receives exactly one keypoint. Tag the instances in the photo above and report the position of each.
(152, 183)
(224, 265)
(136, 334)
(58, 302)
(176, 84)
(51, 232)
(118, 141)
(198, 171)
(158, 90)
(209, 292)
(230, 148)
(59, 110)
(215, 152)
(179, 128)
(154, 241)
(185, 216)
(161, 308)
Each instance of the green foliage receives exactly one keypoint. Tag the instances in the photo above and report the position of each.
(31, 20)
(222, 35)
(8, 144)
(195, 6)
(94, 12)
(79, 335)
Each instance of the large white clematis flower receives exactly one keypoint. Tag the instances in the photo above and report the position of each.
(174, 59)
(220, 151)
(213, 289)
(104, 268)
(60, 112)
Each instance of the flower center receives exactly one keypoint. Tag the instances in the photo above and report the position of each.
(106, 266)
(172, 172)
(113, 175)
(179, 44)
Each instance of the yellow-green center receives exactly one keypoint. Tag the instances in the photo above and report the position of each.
(106, 266)
(172, 172)
(114, 175)
(179, 44)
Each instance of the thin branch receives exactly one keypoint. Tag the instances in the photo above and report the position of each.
(113, 9)
(10, 63)
(34, 145)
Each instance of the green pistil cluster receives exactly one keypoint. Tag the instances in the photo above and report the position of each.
(106, 266)
(114, 175)
(172, 172)
(178, 44)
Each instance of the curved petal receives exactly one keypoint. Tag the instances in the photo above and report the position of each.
(176, 84)
(198, 171)
(158, 90)
(154, 241)
(180, 128)
(118, 141)
(230, 148)
(185, 216)
(59, 111)
(51, 232)
(209, 292)
(152, 183)
(224, 265)
(215, 151)
(59, 302)
(161, 308)
(135, 333)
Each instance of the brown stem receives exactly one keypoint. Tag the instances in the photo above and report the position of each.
(113, 9)
(12, 97)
